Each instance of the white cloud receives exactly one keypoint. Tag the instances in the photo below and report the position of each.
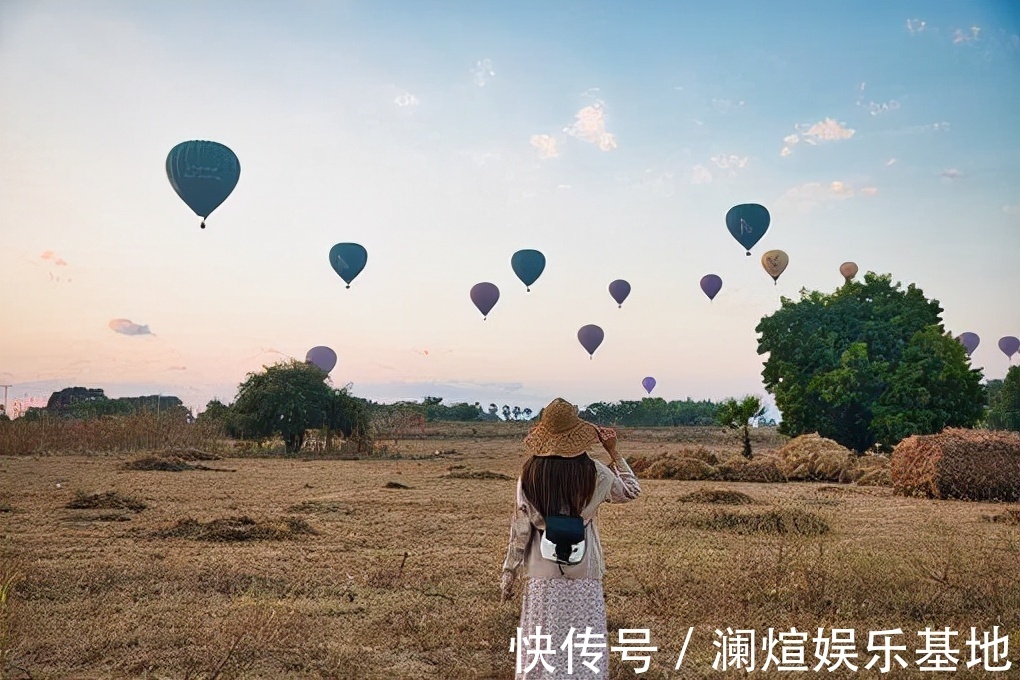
(806, 196)
(483, 72)
(590, 126)
(546, 146)
(915, 26)
(889, 162)
(876, 109)
(724, 105)
(961, 36)
(730, 162)
(951, 174)
(406, 99)
(827, 130)
(700, 175)
(1011, 209)
(128, 327)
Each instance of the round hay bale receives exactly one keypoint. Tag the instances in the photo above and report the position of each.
(957, 463)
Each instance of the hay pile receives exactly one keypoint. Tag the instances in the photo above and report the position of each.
(759, 469)
(965, 464)
(812, 458)
(688, 468)
(871, 470)
(111, 500)
(672, 466)
(239, 529)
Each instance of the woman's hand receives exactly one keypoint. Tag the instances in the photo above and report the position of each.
(607, 436)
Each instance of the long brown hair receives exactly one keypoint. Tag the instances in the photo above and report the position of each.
(559, 486)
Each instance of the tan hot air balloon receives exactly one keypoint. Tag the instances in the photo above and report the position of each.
(775, 262)
(848, 270)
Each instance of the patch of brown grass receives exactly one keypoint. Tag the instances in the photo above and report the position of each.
(239, 529)
(777, 521)
(722, 496)
(141, 431)
(476, 474)
(109, 500)
(171, 464)
(1007, 516)
(102, 601)
(322, 507)
(189, 454)
(959, 463)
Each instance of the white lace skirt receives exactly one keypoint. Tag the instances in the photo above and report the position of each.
(557, 605)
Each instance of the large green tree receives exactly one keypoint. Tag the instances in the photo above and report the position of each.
(288, 398)
(1004, 413)
(867, 364)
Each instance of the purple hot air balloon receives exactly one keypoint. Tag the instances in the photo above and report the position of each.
(970, 341)
(484, 295)
(649, 384)
(711, 284)
(322, 357)
(590, 337)
(619, 289)
(1009, 346)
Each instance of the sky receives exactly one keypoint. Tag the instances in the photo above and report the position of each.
(445, 136)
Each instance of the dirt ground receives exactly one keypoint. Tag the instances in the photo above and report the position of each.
(389, 568)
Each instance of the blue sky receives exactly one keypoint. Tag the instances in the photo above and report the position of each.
(444, 136)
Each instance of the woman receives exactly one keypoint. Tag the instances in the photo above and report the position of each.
(560, 478)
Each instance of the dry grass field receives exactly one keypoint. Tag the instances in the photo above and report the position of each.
(304, 567)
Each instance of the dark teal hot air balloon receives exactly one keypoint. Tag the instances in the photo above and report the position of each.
(347, 260)
(748, 223)
(203, 174)
(528, 265)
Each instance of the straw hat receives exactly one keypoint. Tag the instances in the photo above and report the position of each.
(561, 432)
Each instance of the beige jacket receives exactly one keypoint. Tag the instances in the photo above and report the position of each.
(613, 484)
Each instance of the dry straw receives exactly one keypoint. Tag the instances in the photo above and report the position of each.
(967, 464)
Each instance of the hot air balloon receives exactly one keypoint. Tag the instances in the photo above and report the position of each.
(590, 337)
(528, 265)
(484, 295)
(203, 174)
(619, 289)
(970, 341)
(649, 384)
(747, 223)
(848, 270)
(774, 262)
(1009, 346)
(711, 284)
(348, 259)
(322, 357)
